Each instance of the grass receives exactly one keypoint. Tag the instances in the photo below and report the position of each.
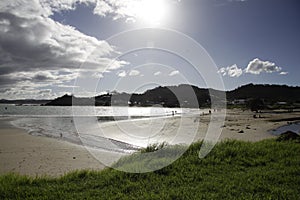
(233, 170)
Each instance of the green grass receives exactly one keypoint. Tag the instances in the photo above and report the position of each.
(233, 170)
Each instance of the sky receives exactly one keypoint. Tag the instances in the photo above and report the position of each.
(88, 47)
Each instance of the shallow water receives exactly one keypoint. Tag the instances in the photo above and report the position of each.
(294, 127)
(59, 122)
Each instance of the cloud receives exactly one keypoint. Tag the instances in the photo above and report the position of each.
(98, 75)
(134, 72)
(121, 73)
(232, 71)
(102, 8)
(26, 91)
(157, 73)
(37, 42)
(117, 9)
(283, 73)
(173, 73)
(258, 66)
(130, 20)
(36, 49)
(122, 9)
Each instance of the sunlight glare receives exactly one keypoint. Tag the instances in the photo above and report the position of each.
(151, 12)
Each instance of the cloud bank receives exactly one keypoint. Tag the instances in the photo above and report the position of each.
(35, 50)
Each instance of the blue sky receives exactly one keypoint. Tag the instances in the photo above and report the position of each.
(48, 46)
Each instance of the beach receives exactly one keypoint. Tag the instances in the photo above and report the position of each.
(40, 156)
(30, 155)
(241, 125)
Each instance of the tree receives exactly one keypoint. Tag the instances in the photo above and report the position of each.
(256, 105)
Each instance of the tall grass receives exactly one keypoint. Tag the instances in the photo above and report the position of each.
(233, 170)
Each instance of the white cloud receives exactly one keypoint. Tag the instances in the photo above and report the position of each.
(134, 72)
(117, 9)
(121, 73)
(30, 42)
(232, 71)
(97, 75)
(157, 73)
(102, 8)
(130, 20)
(173, 73)
(27, 91)
(222, 71)
(130, 10)
(283, 73)
(255, 66)
(26, 9)
(258, 66)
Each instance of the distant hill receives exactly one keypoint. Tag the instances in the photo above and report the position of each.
(69, 100)
(24, 101)
(271, 93)
(175, 96)
(164, 96)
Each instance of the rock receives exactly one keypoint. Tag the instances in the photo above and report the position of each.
(289, 135)
(241, 131)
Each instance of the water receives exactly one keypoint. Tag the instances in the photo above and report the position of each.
(65, 111)
(294, 127)
(58, 122)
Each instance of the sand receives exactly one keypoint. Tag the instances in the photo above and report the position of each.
(242, 126)
(39, 156)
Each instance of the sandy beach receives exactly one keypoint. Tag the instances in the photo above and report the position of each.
(37, 156)
(241, 125)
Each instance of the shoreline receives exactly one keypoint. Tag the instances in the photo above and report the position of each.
(30, 155)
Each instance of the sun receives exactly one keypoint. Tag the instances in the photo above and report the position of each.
(150, 12)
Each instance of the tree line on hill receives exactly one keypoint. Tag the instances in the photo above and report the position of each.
(254, 96)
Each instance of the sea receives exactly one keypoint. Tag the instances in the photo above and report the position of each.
(59, 121)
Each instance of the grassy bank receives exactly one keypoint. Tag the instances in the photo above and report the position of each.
(233, 170)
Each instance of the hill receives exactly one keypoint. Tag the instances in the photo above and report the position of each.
(24, 101)
(186, 95)
(267, 92)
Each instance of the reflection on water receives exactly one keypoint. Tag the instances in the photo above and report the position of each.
(59, 111)
(58, 122)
